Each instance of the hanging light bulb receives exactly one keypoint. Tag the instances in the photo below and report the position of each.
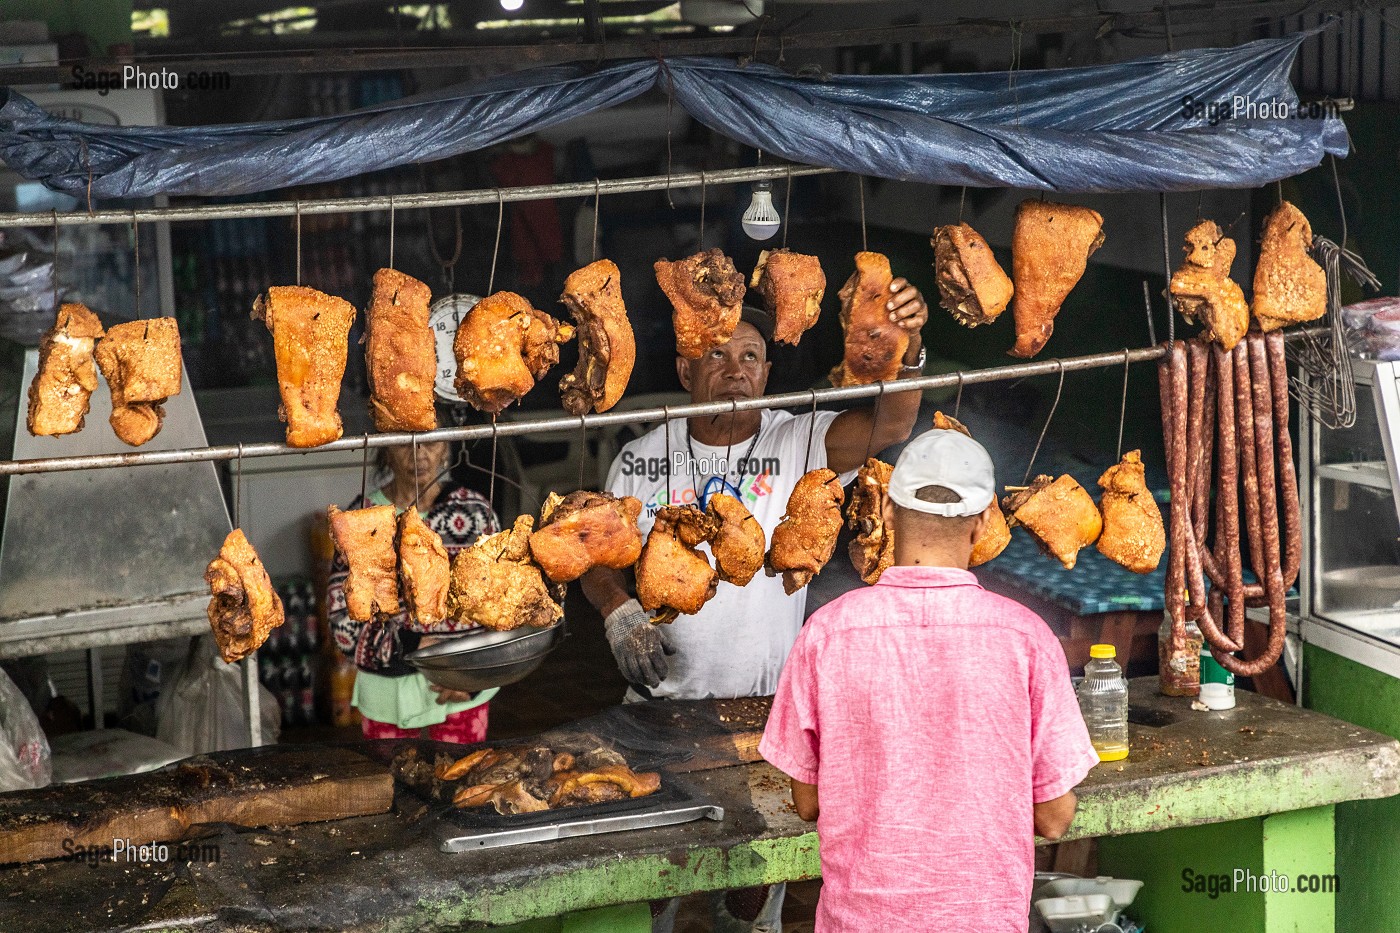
(510, 6)
(761, 220)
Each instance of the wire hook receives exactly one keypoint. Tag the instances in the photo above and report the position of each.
(391, 231)
(496, 251)
(597, 208)
(787, 202)
(417, 492)
(1053, 405)
(364, 475)
(702, 211)
(666, 433)
(874, 419)
(860, 188)
(957, 400)
(1123, 407)
(811, 430)
(136, 268)
(491, 489)
(582, 449)
(298, 238)
(238, 490)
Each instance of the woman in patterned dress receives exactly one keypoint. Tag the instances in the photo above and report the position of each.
(394, 699)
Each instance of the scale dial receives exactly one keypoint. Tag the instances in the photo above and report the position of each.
(443, 317)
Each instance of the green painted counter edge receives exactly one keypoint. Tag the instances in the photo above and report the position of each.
(764, 861)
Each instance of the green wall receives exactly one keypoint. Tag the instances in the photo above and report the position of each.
(105, 22)
(1368, 831)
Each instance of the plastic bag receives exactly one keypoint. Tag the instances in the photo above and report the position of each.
(203, 709)
(24, 752)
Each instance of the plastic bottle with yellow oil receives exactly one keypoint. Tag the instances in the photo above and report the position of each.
(1103, 701)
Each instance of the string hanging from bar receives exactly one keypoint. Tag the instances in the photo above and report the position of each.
(1123, 406)
(136, 263)
(787, 202)
(496, 250)
(811, 430)
(957, 399)
(1046, 427)
(874, 421)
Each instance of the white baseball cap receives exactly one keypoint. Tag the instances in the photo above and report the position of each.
(944, 458)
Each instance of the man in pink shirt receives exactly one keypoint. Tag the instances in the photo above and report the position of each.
(928, 726)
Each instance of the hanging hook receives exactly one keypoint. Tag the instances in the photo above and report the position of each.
(298, 238)
(787, 202)
(417, 492)
(957, 400)
(55, 261)
(238, 490)
(1053, 405)
(1341, 207)
(597, 209)
(364, 475)
(582, 449)
(874, 419)
(666, 433)
(811, 430)
(702, 211)
(496, 251)
(491, 489)
(962, 200)
(1167, 264)
(1123, 407)
(136, 267)
(391, 231)
(860, 188)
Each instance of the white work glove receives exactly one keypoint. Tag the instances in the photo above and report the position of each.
(636, 644)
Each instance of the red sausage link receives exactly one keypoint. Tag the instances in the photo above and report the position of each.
(1287, 471)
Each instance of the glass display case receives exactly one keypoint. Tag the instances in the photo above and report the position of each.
(1351, 540)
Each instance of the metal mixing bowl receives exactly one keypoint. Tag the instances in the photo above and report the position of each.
(481, 660)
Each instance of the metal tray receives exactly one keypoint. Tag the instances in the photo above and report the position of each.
(484, 828)
(481, 660)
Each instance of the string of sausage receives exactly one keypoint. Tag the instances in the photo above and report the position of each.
(1238, 401)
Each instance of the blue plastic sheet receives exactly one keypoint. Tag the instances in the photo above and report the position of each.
(1167, 123)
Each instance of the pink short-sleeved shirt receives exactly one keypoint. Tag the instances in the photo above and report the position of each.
(931, 715)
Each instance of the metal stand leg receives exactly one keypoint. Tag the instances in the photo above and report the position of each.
(95, 693)
(251, 703)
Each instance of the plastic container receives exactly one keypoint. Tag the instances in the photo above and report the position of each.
(1217, 684)
(1122, 890)
(1103, 701)
(1074, 913)
(1179, 671)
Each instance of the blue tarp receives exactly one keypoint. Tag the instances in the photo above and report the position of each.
(1168, 123)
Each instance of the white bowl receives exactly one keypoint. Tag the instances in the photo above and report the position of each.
(1122, 890)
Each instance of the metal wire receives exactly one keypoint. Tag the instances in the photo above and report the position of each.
(957, 401)
(787, 200)
(496, 252)
(136, 270)
(582, 449)
(609, 418)
(380, 202)
(1123, 407)
(238, 490)
(391, 235)
(417, 492)
(491, 490)
(298, 238)
(1147, 304)
(860, 187)
(666, 433)
(1048, 418)
(597, 209)
(811, 430)
(874, 420)
(962, 199)
(702, 211)
(55, 263)
(1167, 265)
(364, 474)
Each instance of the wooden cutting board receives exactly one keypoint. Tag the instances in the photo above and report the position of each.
(277, 785)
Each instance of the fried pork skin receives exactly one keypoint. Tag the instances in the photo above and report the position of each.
(875, 345)
(1050, 249)
(806, 537)
(792, 286)
(243, 606)
(497, 585)
(1133, 532)
(1059, 514)
(62, 389)
(1203, 289)
(503, 346)
(607, 350)
(400, 353)
(1289, 287)
(584, 530)
(972, 286)
(706, 294)
(310, 338)
(365, 537)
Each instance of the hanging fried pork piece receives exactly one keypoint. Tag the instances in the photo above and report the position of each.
(1288, 286)
(1203, 288)
(606, 348)
(1050, 249)
(62, 389)
(971, 283)
(737, 541)
(707, 294)
(996, 536)
(424, 569)
(791, 285)
(365, 537)
(673, 578)
(1133, 533)
(310, 337)
(141, 363)
(400, 353)
(502, 346)
(872, 550)
(805, 538)
(584, 530)
(495, 583)
(243, 607)
(875, 345)
(1058, 513)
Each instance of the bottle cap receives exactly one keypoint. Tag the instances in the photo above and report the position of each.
(1103, 651)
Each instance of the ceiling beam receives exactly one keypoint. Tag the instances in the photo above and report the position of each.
(769, 43)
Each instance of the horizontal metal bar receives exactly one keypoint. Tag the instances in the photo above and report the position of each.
(109, 625)
(573, 422)
(400, 202)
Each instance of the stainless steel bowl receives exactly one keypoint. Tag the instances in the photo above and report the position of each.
(481, 660)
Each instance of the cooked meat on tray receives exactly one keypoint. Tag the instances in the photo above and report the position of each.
(310, 338)
(584, 530)
(502, 346)
(1288, 286)
(1058, 513)
(497, 585)
(875, 345)
(400, 353)
(872, 549)
(737, 540)
(366, 538)
(141, 362)
(607, 349)
(707, 294)
(996, 536)
(803, 541)
(244, 607)
(791, 285)
(972, 286)
(1050, 249)
(424, 568)
(535, 779)
(1133, 533)
(1203, 288)
(62, 389)
(672, 576)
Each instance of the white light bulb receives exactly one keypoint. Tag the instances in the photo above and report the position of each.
(510, 6)
(761, 220)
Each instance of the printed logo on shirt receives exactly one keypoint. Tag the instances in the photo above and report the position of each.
(759, 486)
